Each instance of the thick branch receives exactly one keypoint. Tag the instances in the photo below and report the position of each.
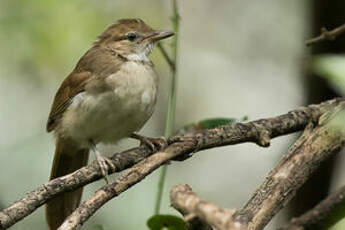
(319, 212)
(192, 220)
(186, 201)
(257, 131)
(303, 158)
(37, 197)
(307, 153)
(134, 175)
(327, 35)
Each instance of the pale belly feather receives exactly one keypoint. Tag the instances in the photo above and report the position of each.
(116, 113)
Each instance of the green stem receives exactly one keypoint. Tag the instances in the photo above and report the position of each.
(161, 181)
(169, 127)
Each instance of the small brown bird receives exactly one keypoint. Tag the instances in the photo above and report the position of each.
(109, 95)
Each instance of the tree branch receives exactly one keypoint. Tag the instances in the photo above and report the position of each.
(298, 168)
(319, 212)
(88, 174)
(259, 132)
(192, 220)
(305, 155)
(132, 176)
(187, 202)
(327, 35)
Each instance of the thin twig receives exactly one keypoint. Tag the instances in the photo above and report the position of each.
(165, 54)
(186, 201)
(327, 35)
(319, 212)
(235, 133)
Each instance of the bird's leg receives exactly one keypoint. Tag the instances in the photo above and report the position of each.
(103, 162)
(154, 144)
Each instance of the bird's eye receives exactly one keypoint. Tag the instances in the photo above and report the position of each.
(131, 36)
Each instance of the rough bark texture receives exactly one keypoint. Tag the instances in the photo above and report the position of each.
(316, 145)
(134, 175)
(259, 132)
(186, 201)
(34, 199)
(318, 142)
(329, 14)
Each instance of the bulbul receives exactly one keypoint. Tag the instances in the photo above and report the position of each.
(109, 95)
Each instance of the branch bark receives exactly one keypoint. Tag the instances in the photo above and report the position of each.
(327, 35)
(188, 203)
(134, 175)
(39, 196)
(305, 155)
(314, 146)
(318, 213)
(259, 132)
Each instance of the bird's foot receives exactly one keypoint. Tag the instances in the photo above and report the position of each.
(105, 164)
(155, 144)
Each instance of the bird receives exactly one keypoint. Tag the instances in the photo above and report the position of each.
(110, 94)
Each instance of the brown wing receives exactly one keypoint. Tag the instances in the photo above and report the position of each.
(70, 87)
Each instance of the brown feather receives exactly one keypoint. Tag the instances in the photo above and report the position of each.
(121, 27)
(96, 64)
(70, 87)
(104, 59)
(67, 158)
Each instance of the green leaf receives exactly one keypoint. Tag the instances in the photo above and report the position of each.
(166, 222)
(209, 124)
(332, 68)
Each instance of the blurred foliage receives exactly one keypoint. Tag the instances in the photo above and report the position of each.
(338, 214)
(166, 222)
(99, 227)
(45, 38)
(338, 122)
(332, 68)
(40, 34)
(334, 218)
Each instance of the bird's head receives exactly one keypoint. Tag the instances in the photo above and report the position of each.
(132, 38)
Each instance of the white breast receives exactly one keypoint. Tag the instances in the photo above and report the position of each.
(117, 112)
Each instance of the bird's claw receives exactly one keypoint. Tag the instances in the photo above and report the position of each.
(155, 144)
(105, 164)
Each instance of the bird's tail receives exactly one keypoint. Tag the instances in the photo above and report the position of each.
(67, 158)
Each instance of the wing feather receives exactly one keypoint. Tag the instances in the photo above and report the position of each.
(70, 87)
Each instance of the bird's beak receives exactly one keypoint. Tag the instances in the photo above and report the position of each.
(159, 35)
